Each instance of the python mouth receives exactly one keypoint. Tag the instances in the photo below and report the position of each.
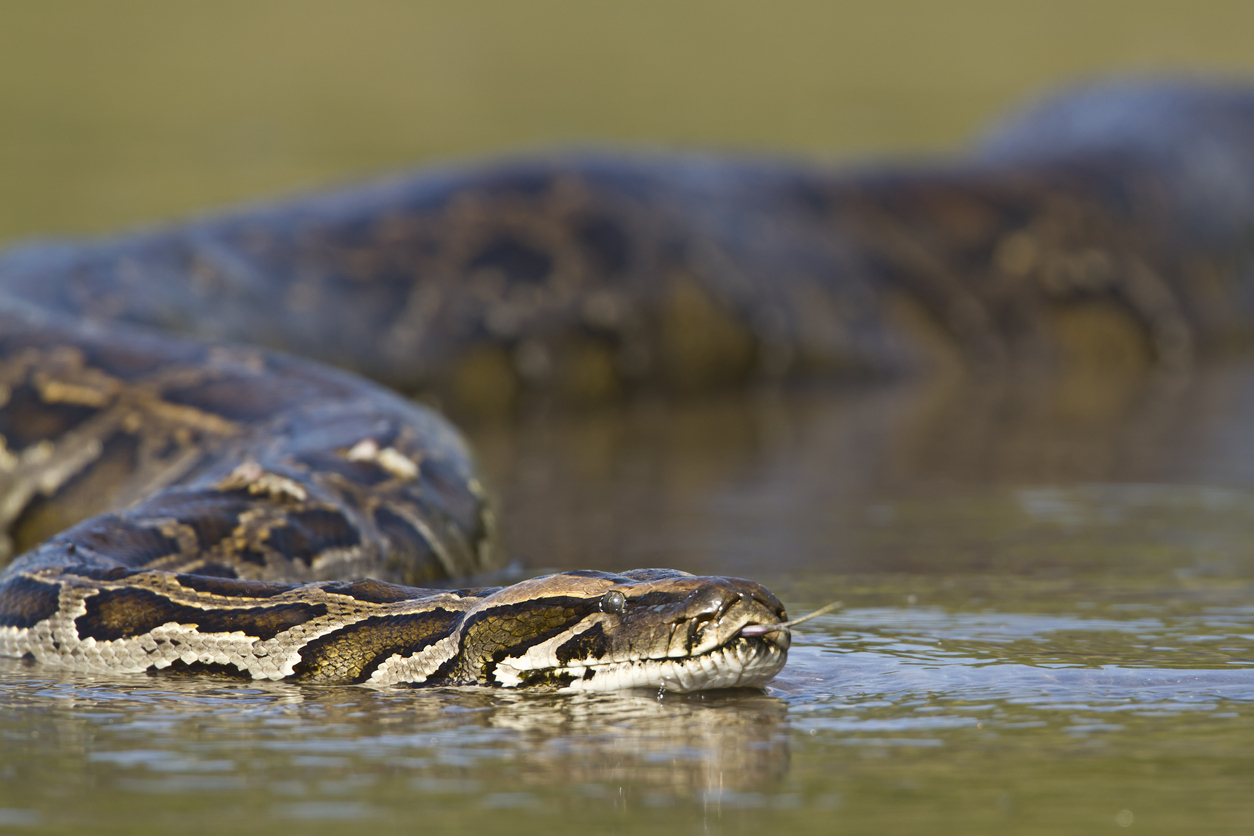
(743, 662)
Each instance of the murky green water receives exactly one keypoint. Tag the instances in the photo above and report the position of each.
(890, 719)
(1048, 590)
(1071, 652)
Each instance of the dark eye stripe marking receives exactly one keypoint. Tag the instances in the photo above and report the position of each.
(126, 613)
(658, 599)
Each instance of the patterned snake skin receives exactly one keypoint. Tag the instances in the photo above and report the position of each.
(189, 502)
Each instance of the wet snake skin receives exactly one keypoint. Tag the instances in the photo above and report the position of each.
(178, 490)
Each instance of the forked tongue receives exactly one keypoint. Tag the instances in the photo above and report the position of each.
(762, 629)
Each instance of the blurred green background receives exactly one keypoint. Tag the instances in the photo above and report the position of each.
(131, 111)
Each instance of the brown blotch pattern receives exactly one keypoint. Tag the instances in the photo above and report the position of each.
(401, 534)
(212, 515)
(375, 592)
(116, 537)
(235, 398)
(24, 602)
(514, 630)
(228, 587)
(27, 418)
(127, 613)
(308, 534)
(591, 643)
(84, 494)
(353, 654)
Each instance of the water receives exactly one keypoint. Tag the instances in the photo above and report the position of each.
(888, 719)
(1048, 623)
(1029, 640)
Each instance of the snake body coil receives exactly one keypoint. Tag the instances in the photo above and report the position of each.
(188, 502)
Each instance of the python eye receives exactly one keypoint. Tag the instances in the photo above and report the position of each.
(614, 602)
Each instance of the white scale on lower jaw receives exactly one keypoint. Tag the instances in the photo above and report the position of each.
(728, 667)
(678, 674)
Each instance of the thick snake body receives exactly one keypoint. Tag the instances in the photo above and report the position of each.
(254, 468)
(574, 631)
(195, 503)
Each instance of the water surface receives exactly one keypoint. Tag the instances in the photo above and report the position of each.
(1048, 620)
(1052, 628)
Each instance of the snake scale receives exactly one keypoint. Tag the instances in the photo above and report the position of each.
(182, 492)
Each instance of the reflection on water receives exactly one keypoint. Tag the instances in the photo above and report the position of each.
(1047, 627)
(786, 480)
(281, 751)
(1048, 705)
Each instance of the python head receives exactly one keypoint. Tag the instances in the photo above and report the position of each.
(647, 628)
